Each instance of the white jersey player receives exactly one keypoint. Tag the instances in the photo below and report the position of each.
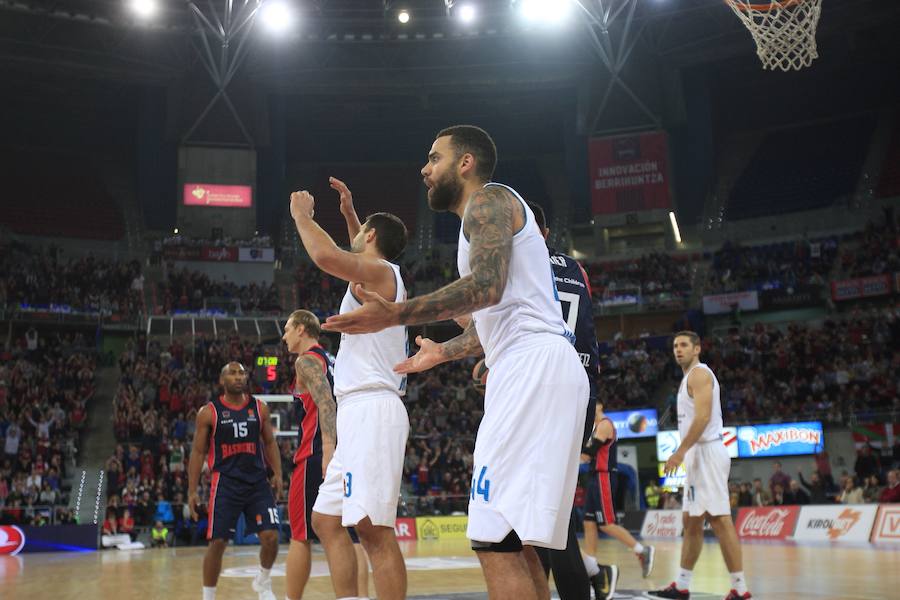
(706, 465)
(362, 482)
(527, 446)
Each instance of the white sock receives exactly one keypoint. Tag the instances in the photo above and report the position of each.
(683, 581)
(590, 564)
(265, 574)
(209, 593)
(638, 548)
(738, 582)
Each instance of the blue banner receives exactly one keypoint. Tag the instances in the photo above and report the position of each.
(782, 439)
(637, 423)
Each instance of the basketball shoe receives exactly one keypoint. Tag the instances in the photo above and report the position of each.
(263, 587)
(604, 582)
(733, 595)
(669, 592)
(646, 558)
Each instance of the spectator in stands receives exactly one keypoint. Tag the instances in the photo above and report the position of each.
(867, 463)
(798, 493)
(745, 495)
(852, 493)
(13, 436)
(159, 535)
(126, 524)
(779, 477)
(818, 493)
(110, 523)
(780, 497)
(163, 510)
(891, 492)
(871, 489)
(760, 496)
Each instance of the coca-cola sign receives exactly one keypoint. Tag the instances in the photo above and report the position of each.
(770, 523)
(662, 524)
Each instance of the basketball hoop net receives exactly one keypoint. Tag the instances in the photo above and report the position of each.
(784, 31)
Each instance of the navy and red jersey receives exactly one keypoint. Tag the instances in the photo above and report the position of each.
(574, 290)
(307, 413)
(606, 460)
(236, 447)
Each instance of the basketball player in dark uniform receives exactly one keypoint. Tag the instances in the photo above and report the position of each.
(235, 438)
(315, 412)
(573, 573)
(600, 508)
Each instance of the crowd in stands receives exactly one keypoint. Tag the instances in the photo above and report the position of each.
(737, 268)
(846, 367)
(35, 278)
(659, 279)
(192, 291)
(257, 241)
(45, 386)
(874, 251)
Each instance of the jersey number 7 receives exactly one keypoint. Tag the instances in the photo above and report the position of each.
(570, 313)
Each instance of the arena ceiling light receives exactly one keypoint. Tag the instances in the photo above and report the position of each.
(277, 16)
(543, 11)
(403, 16)
(676, 231)
(144, 8)
(467, 13)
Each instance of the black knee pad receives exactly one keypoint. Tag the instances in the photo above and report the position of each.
(511, 543)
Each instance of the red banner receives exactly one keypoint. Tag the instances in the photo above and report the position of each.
(405, 529)
(864, 287)
(224, 254)
(630, 173)
(222, 196)
(767, 522)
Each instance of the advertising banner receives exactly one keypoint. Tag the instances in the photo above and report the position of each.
(667, 443)
(796, 297)
(781, 439)
(405, 529)
(864, 287)
(181, 252)
(837, 523)
(49, 538)
(629, 173)
(220, 196)
(662, 524)
(720, 304)
(221, 254)
(887, 525)
(441, 528)
(767, 522)
(637, 423)
(256, 254)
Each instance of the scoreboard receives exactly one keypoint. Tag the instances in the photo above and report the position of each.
(265, 372)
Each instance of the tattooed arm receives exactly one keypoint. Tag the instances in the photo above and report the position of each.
(432, 354)
(311, 375)
(489, 224)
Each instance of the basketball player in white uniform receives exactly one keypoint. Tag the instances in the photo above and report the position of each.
(362, 482)
(707, 465)
(528, 443)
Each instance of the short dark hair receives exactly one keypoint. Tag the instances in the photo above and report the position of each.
(310, 322)
(468, 139)
(691, 335)
(390, 234)
(539, 215)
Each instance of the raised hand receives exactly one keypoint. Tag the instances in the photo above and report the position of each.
(375, 314)
(430, 354)
(346, 197)
(302, 205)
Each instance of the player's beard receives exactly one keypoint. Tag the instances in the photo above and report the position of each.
(445, 193)
(235, 389)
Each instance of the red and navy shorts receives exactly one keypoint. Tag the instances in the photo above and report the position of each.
(305, 482)
(599, 506)
(229, 497)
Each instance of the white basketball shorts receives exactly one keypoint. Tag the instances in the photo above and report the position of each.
(363, 479)
(528, 444)
(706, 466)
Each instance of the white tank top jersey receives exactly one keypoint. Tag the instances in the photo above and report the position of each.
(366, 361)
(530, 303)
(713, 429)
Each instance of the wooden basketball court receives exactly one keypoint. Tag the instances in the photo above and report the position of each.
(447, 568)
